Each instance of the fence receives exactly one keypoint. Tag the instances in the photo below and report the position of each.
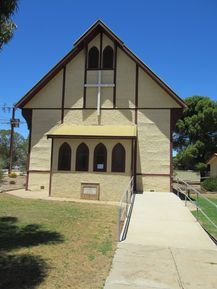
(125, 209)
(185, 189)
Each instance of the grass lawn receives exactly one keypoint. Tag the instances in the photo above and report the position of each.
(47, 244)
(210, 210)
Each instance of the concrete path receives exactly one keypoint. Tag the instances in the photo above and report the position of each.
(165, 248)
(43, 195)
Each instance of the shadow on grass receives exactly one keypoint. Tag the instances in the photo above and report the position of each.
(182, 196)
(23, 271)
(13, 236)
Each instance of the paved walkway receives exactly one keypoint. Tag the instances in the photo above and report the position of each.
(43, 195)
(165, 248)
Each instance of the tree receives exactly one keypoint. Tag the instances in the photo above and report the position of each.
(7, 26)
(20, 149)
(195, 137)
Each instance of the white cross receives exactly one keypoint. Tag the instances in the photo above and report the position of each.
(99, 85)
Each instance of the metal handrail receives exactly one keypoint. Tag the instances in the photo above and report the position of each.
(124, 209)
(188, 188)
(196, 191)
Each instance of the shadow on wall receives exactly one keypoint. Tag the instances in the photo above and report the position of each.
(128, 115)
(46, 120)
(22, 271)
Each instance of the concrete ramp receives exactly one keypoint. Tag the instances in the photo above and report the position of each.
(161, 219)
(165, 248)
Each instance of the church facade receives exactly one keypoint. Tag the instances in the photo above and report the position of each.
(98, 119)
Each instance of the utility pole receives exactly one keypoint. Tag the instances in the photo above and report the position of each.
(14, 123)
(11, 141)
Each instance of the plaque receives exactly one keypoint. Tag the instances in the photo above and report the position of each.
(90, 191)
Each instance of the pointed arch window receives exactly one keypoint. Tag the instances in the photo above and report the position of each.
(82, 157)
(118, 158)
(64, 158)
(108, 57)
(100, 158)
(93, 57)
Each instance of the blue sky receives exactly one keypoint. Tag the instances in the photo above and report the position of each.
(176, 39)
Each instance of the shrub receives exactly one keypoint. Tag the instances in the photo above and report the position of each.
(210, 184)
(12, 175)
(1, 170)
(1, 175)
(12, 182)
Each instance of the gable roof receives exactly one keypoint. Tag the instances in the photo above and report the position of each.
(97, 27)
(214, 156)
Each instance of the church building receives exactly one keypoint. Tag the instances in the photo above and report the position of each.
(99, 119)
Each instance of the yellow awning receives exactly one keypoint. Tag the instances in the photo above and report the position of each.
(93, 131)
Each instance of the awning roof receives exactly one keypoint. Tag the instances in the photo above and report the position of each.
(93, 131)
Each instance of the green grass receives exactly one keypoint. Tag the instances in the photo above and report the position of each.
(211, 211)
(46, 244)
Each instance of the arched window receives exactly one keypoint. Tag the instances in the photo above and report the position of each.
(82, 157)
(100, 158)
(93, 58)
(108, 57)
(64, 159)
(118, 158)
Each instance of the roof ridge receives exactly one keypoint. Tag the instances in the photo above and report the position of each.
(78, 46)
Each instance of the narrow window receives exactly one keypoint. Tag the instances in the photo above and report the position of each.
(108, 57)
(100, 158)
(93, 58)
(64, 159)
(82, 157)
(118, 158)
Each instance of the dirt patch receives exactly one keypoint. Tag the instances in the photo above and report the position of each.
(12, 183)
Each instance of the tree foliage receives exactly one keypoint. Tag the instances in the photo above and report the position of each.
(195, 138)
(20, 149)
(7, 26)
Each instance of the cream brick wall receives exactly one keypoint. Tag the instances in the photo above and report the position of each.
(107, 41)
(68, 184)
(108, 117)
(95, 42)
(153, 126)
(74, 81)
(49, 96)
(106, 92)
(153, 141)
(42, 122)
(126, 78)
(213, 168)
(150, 94)
(153, 183)
(37, 179)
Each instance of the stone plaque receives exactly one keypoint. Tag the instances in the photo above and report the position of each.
(90, 191)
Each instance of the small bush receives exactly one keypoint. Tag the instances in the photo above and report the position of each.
(210, 184)
(12, 182)
(12, 175)
(1, 175)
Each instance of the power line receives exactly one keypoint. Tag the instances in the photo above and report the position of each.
(8, 122)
